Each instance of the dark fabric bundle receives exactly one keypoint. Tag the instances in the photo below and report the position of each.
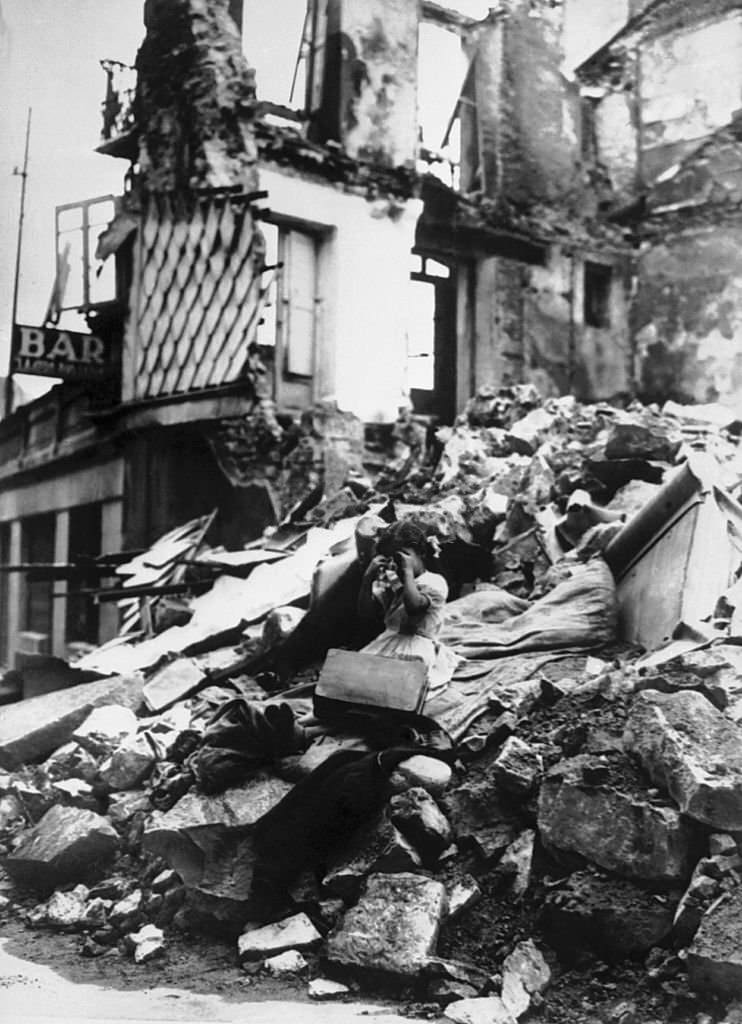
(241, 736)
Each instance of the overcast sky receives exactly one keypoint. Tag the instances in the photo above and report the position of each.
(49, 61)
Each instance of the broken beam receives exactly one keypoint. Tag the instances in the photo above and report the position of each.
(446, 17)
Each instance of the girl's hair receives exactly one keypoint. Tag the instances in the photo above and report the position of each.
(404, 534)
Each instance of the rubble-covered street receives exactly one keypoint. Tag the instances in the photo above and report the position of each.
(554, 838)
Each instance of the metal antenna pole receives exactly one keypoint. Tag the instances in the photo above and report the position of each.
(23, 174)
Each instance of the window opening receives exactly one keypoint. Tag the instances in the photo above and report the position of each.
(597, 294)
(79, 284)
(83, 614)
(289, 319)
(37, 544)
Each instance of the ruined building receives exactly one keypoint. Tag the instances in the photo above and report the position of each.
(264, 264)
(665, 96)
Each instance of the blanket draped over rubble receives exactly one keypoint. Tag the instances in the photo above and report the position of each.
(574, 791)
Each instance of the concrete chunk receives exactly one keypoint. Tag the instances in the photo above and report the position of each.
(325, 989)
(517, 767)
(105, 729)
(420, 820)
(691, 750)
(479, 1010)
(715, 957)
(66, 845)
(394, 927)
(295, 933)
(525, 974)
(33, 728)
(623, 832)
(206, 839)
(128, 766)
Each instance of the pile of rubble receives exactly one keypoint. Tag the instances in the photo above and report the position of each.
(572, 799)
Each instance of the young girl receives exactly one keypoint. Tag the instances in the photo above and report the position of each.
(412, 599)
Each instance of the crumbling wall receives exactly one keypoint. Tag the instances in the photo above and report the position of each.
(528, 112)
(369, 88)
(616, 138)
(688, 315)
(540, 134)
(194, 96)
(691, 83)
(528, 326)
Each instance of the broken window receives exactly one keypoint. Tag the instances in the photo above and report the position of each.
(424, 320)
(78, 284)
(84, 543)
(438, 99)
(37, 547)
(597, 295)
(289, 321)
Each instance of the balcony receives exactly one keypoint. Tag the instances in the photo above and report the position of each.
(119, 133)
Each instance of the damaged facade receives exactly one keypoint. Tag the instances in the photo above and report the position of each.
(663, 99)
(523, 798)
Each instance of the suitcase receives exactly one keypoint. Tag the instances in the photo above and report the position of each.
(355, 682)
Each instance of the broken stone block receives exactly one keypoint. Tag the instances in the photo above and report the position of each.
(393, 929)
(722, 844)
(164, 881)
(126, 907)
(76, 793)
(377, 848)
(517, 861)
(638, 441)
(206, 839)
(611, 917)
(71, 761)
(96, 913)
(35, 793)
(462, 896)
(105, 729)
(12, 815)
(691, 750)
(477, 817)
(172, 683)
(128, 766)
(525, 973)
(295, 933)
(290, 962)
(481, 1010)
(447, 990)
(420, 820)
(324, 989)
(518, 767)
(694, 903)
(419, 770)
(66, 845)
(624, 832)
(32, 729)
(123, 806)
(715, 957)
(148, 943)
(66, 911)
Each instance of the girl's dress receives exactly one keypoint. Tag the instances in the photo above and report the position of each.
(416, 636)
